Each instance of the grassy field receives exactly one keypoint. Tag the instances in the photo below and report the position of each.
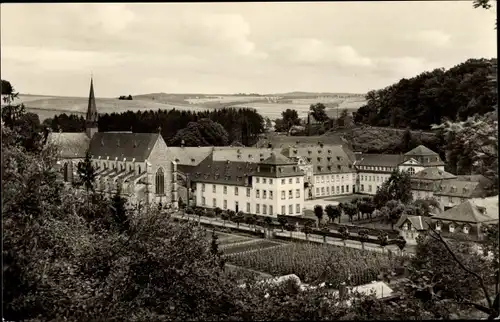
(48, 106)
(273, 110)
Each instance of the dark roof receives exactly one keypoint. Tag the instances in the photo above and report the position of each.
(467, 212)
(277, 159)
(242, 154)
(123, 145)
(278, 171)
(223, 172)
(421, 150)
(284, 141)
(70, 145)
(418, 222)
(433, 174)
(326, 159)
(379, 160)
(462, 189)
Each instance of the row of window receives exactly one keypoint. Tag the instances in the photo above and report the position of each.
(283, 194)
(224, 190)
(362, 188)
(336, 177)
(370, 178)
(374, 168)
(266, 209)
(113, 165)
(283, 181)
(335, 190)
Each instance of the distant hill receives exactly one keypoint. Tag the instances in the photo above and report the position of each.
(267, 105)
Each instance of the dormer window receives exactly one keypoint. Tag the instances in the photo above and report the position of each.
(451, 227)
(466, 229)
(438, 225)
(193, 160)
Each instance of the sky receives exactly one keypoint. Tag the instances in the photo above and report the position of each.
(223, 48)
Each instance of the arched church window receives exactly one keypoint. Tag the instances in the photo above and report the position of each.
(160, 182)
(139, 169)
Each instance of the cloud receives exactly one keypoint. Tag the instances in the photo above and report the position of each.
(433, 37)
(50, 59)
(316, 51)
(111, 18)
(220, 32)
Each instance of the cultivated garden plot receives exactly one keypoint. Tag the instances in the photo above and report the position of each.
(319, 263)
(257, 245)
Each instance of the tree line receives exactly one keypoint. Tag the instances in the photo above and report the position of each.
(433, 97)
(214, 127)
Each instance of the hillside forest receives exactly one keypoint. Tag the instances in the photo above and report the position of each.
(434, 97)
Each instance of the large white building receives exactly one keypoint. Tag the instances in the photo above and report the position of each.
(333, 168)
(270, 187)
(374, 169)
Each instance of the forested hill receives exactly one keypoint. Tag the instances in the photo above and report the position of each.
(432, 97)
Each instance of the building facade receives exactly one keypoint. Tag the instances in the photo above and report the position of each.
(271, 187)
(333, 169)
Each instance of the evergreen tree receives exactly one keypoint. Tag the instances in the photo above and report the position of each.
(87, 175)
(119, 211)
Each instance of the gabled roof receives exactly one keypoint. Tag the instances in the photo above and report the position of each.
(467, 212)
(277, 159)
(123, 145)
(421, 150)
(433, 174)
(417, 222)
(71, 145)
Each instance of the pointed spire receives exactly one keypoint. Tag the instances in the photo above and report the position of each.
(92, 108)
(92, 116)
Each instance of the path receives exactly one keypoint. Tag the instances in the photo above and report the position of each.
(295, 235)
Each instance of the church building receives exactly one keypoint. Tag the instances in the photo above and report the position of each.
(136, 163)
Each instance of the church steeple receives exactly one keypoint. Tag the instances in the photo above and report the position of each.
(92, 116)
